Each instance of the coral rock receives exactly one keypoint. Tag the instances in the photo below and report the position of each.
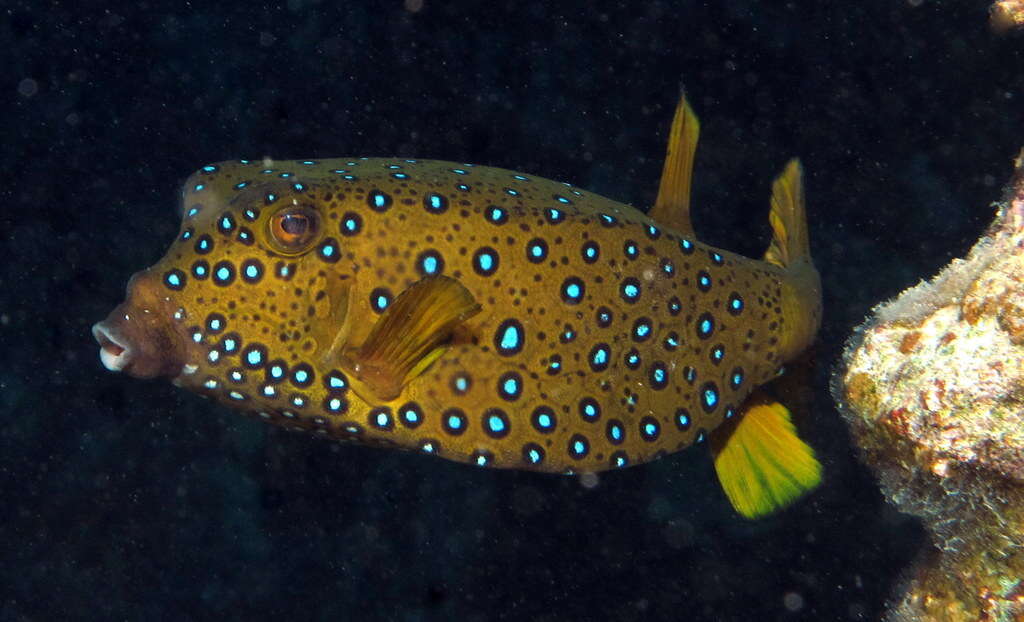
(932, 388)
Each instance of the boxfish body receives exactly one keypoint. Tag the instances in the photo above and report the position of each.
(479, 314)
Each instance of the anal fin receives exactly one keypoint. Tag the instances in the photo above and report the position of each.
(672, 207)
(410, 335)
(762, 464)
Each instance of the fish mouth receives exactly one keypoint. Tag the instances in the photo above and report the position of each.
(140, 344)
(115, 352)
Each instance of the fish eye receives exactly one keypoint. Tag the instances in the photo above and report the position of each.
(294, 229)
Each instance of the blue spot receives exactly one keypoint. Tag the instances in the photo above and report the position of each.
(379, 200)
(710, 398)
(393, 166)
(430, 264)
(642, 330)
(659, 375)
(510, 386)
(686, 245)
(454, 422)
(512, 192)
(509, 337)
(562, 199)
(485, 261)
(520, 178)
(383, 420)
(276, 371)
(600, 356)
(192, 212)
(461, 384)
(298, 187)
(463, 187)
(544, 420)
(301, 375)
(223, 273)
(607, 220)
(633, 359)
(459, 171)
(252, 271)
(616, 432)
(496, 215)
(308, 162)
(534, 455)
(327, 250)
(209, 169)
(705, 326)
(579, 447)
(174, 279)
(631, 291)
(495, 423)
(399, 175)
(650, 429)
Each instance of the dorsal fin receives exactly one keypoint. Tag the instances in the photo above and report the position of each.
(788, 218)
(672, 207)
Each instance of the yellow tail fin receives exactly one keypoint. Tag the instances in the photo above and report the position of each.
(788, 219)
(672, 207)
(762, 464)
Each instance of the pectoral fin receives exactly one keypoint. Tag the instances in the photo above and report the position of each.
(762, 464)
(410, 335)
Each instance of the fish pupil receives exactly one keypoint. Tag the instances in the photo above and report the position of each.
(294, 224)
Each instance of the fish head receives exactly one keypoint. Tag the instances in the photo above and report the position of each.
(255, 281)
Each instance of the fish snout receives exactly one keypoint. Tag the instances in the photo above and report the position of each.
(140, 336)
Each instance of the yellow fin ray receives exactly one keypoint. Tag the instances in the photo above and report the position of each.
(672, 207)
(410, 335)
(788, 218)
(762, 464)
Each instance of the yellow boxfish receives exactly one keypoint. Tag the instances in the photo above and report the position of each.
(482, 315)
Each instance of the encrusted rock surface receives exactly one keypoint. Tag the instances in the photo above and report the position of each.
(932, 387)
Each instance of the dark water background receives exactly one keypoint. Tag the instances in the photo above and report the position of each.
(122, 499)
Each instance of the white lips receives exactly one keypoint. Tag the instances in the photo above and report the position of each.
(114, 353)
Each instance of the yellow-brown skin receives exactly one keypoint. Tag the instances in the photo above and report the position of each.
(323, 307)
